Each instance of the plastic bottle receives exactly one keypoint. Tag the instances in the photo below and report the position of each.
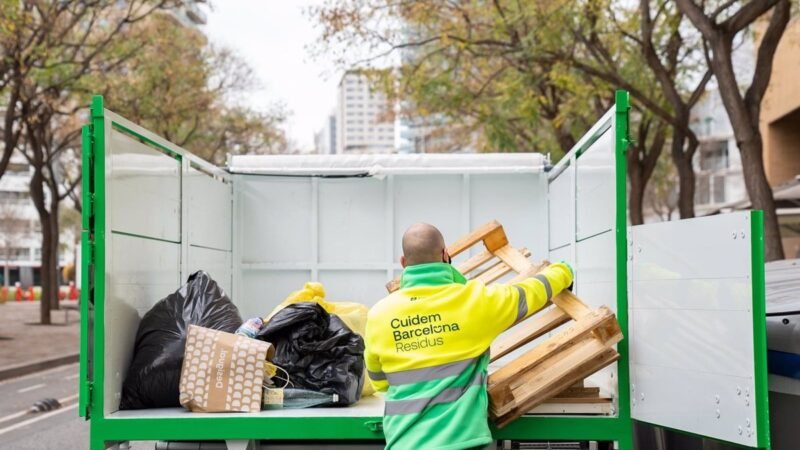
(304, 398)
(250, 327)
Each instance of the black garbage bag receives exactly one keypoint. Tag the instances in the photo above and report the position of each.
(318, 350)
(155, 370)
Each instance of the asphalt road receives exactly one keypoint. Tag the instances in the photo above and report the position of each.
(59, 429)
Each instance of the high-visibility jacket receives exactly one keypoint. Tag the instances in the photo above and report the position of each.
(427, 346)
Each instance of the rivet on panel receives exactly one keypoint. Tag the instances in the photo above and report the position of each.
(642, 396)
(742, 234)
(739, 429)
(747, 422)
(747, 392)
(718, 414)
(746, 402)
(639, 250)
(734, 235)
(716, 398)
(738, 390)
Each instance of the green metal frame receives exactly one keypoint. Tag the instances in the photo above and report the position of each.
(761, 394)
(108, 430)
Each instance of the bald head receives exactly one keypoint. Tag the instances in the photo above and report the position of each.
(423, 243)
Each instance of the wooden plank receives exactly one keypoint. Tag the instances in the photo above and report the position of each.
(571, 304)
(535, 269)
(578, 331)
(582, 392)
(557, 380)
(584, 409)
(475, 262)
(534, 381)
(494, 274)
(538, 325)
(492, 235)
(499, 264)
(514, 259)
(577, 400)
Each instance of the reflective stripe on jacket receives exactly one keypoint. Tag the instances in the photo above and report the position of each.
(427, 346)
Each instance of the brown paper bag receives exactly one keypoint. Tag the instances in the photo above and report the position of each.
(222, 372)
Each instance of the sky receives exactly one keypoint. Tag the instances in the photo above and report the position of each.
(272, 37)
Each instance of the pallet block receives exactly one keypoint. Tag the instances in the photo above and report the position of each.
(554, 370)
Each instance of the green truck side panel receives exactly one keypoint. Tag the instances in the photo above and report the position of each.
(621, 141)
(99, 232)
(761, 395)
(105, 429)
(86, 254)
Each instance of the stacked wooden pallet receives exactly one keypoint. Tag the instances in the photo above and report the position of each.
(554, 369)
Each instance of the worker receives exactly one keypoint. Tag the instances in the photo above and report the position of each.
(427, 344)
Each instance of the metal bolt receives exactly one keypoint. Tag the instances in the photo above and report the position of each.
(749, 433)
(716, 397)
(642, 396)
(738, 390)
(747, 421)
(742, 234)
(734, 235)
(718, 413)
(739, 429)
(639, 250)
(747, 392)
(746, 402)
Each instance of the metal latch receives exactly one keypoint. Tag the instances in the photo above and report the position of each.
(374, 425)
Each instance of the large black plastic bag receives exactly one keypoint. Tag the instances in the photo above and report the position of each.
(155, 371)
(318, 350)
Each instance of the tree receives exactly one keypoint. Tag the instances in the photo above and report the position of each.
(48, 50)
(186, 90)
(720, 23)
(506, 70)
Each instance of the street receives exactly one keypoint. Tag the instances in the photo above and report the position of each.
(57, 429)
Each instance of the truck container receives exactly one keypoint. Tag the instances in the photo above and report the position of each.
(688, 294)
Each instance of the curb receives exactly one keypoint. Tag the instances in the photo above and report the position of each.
(36, 366)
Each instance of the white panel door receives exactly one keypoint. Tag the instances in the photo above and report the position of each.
(694, 327)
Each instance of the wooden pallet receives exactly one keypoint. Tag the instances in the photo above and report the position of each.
(555, 368)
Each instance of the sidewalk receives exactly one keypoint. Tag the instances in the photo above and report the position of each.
(26, 346)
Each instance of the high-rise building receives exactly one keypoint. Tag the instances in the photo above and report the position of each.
(325, 138)
(364, 117)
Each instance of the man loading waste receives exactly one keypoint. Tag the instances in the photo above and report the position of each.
(427, 344)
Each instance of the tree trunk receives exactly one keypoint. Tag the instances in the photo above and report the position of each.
(637, 186)
(760, 192)
(37, 196)
(686, 179)
(50, 277)
(750, 143)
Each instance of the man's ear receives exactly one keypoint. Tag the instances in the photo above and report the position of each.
(403, 261)
(446, 257)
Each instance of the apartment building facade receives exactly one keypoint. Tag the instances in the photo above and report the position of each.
(364, 117)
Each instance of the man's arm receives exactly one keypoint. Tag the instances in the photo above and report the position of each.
(374, 369)
(511, 303)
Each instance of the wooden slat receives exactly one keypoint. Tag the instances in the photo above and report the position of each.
(576, 400)
(492, 235)
(558, 379)
(514, 258)
(535, 268)
(532, 382)
(494, 274)
(582, 392)
(578, 331)
(475, 262)
(498, 266)
(571, 304)
(538, 325)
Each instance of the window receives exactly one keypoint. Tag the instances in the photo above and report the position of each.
(714, 155)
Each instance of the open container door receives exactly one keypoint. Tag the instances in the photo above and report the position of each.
(153, 214)
(697, 327)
